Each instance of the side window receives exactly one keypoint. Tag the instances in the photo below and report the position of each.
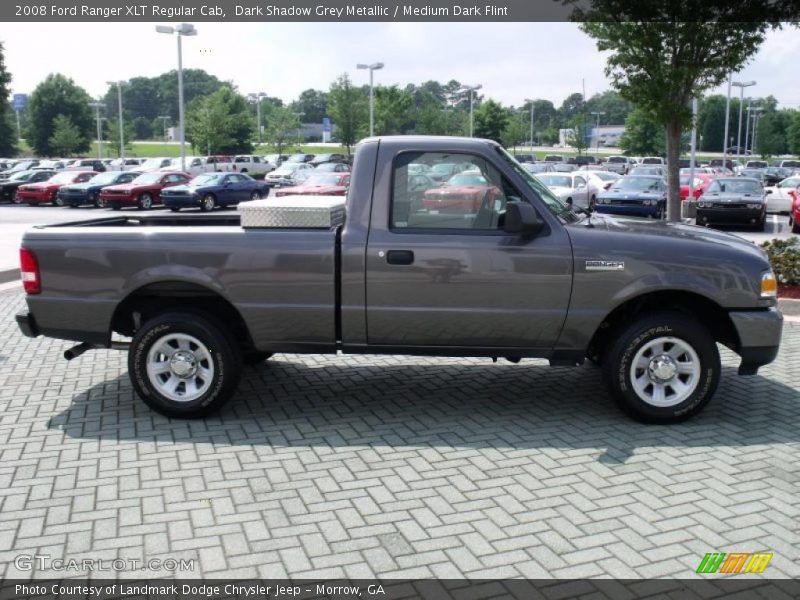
(460, 192)
(580, 182)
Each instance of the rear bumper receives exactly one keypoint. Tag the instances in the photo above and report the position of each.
(759, 334)
(27, 324)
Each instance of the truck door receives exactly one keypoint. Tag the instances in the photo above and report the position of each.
(442, 272)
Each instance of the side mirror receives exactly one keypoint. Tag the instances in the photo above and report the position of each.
(521, 219)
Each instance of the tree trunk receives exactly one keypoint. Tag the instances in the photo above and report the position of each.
(673, 134)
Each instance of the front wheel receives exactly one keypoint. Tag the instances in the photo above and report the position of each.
(183, 364)
(58, 201)
(663, 368)
(255, 195)
(174, 208)
(97, 201)
(208, 203)
(145, 202)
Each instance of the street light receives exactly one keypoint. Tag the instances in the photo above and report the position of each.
(727, 121)
(181, 30)
(741, 85)
(597, 137)
(471, 89)
(372, 68)
(97, 106)
(119, 85)
(165, 118)
(529, 101)
(751, 112)
(257, 98)
(756, 110)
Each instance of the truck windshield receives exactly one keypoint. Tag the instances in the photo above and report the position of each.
(553, 204)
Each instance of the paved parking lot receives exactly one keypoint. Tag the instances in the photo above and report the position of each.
(393, 467)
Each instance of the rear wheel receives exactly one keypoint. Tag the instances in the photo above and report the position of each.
(208, 203)
(255, 195)
(58, 201)
(663, 368)
(174, 208)
(183, 364)
(145, 201)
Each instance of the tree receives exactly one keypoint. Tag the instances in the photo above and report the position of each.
(793, 134)
(112, 135)
(392, 106)
(577, 137)
(615, 107)
(711, 123)
(348, 108)
(642, 136)
(313, 104)
(66, 138)
(771, 139)
(58, 95)
(517, 130)
(8, 135)
(221, 121)
(282, 124)
(660, 64)
(572, 106)
(491, 120)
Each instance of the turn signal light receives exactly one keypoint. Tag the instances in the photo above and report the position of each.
(29, 270)
(769, 285)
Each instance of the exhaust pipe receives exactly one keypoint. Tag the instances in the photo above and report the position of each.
(76, 351)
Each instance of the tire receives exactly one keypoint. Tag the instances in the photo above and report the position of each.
(97, 201)
(195, 343)
(795, 226)
(144, 202)
(174, 208)
(208, 203)
(115, 207)
(255, 195)
(58, 201)
(255, 357)
(681, 340)
(14, 198)
(592, 202)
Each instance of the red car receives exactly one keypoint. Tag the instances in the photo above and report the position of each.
(320, 184)
(794, 214)
(46, 192)
(465, 191)
(143, 192)
(701, 182)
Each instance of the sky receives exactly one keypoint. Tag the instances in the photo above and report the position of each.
(512, 61)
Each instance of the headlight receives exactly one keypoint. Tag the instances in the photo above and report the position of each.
(754, 206)
(769, 285)
(601, 200)
(704, 204)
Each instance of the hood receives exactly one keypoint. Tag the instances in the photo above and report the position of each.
(663, 229)
(618, 194)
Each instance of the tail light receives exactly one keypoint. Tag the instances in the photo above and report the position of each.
(29, 269)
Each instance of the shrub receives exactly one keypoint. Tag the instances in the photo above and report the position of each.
(784, 256)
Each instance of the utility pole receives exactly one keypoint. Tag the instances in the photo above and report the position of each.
(372, 68)
(97, 106)
(529, 101)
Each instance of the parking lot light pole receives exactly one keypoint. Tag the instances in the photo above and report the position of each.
(756, 115)
(97, 106)
(121, 131)
(529, 101)
(256, 97)
(165, 118)
(471, 89)
(741, 85)
(727, 122)
(751, 112)
(181, 30)
(372, 68)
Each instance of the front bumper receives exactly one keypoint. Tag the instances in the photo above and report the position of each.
(40, 197)
(181, 201)
(759, 333)
(113, 199)
(730, 215)
(631, 210)
(75, 199)
(27, 324)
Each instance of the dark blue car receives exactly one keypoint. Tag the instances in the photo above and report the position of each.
(78, 194)
(210, 190)
(635, 196)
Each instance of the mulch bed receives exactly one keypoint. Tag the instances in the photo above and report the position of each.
(789, 291)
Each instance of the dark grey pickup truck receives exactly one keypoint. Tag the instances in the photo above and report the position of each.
(486, 262)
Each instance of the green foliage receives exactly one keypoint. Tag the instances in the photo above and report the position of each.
(283, 123)
(793, 133)
(112, 136)
(348, 108)
(784, 256)
(392, 110)
(659, 65)
(143, 129)
(615, 107)
(66, 139)
(8, 133)
(491, 120)
(572, 106)
(220, 123)
(517, 130)
(313, 104)
(642, 136)
(577, 137)
(771, 135)
(58, 95)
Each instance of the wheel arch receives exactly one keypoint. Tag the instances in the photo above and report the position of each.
(157, 297)
(700, 307)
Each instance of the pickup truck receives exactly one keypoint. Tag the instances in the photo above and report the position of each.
(519, 275)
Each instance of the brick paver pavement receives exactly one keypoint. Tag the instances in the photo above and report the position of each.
(392, 467)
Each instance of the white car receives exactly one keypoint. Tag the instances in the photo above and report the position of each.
(599, 181)
(620, 164)
(572, 188)
(130, 164)
(154, 164)
(249, 163)
(778, 198)
(195, 165)
(289, 173)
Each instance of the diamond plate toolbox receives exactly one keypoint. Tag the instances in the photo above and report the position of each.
(292, 212)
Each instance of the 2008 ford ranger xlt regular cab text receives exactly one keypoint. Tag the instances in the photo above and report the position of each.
(496, 267)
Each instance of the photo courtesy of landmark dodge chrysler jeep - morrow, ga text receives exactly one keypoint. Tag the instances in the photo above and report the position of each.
(517, 274)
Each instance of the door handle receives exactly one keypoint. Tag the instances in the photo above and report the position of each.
(400, 257)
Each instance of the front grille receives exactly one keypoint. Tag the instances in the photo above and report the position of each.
(625, 202)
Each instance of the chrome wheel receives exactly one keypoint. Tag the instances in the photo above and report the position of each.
(208, 202)
(145, 202)
(180, 367)
(665, 371)
(256, 195)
